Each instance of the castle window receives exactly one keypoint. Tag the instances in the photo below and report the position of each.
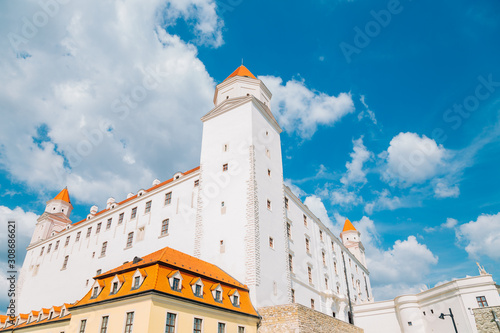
(338, 290)
(222, 247)
(268, 204)
(48, 249)
(309, 274)
(218, 295)
(308, 250)
(62, 313)
(67, 241)
(312, 304)
(350, 262)
(164, 227)
(321, 235)
(225, 167)
(104, 324)
(133, 214)
(286, 203)
(57, 246)
(333, 248)
(326, 283)
(225, 147)
(268, 153)
(481, 301)
(196, 183)
(168, 198)
(170, 328)
(130, 238)
(137, 282)
(78, 234)
(41, 251)
(271, 242)
(269, 172)
(335, 267)
(289, 230)
(221, 328)
(148, 207)
(120, 218)
(197, 290)
(305, 220)
(98, 272)
(103, 249)
(236, 300)
(83, 323)
(290, 262)
(89, 231)
(293, 295)
(197, 325)
(98, 229)
(356, 268)
(108, 224)
(241, 329)
(50, 315)
(115, 288)
(176, 284)
(323, 255)
(65, 263)
(129, 322)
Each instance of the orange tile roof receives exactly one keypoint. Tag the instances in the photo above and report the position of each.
(348, 226)
(34, 320)
(63, 195)
(135, 196)
(159, 266)
(241, 71)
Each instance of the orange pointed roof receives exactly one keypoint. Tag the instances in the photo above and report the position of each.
(63, 195)
(348, 226)
(241, 71)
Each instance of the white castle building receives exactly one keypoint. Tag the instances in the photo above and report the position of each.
(233, 211)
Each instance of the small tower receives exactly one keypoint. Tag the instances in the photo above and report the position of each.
(55, 218)
(351, 240)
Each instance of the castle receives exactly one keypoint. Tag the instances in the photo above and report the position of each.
(234, 211)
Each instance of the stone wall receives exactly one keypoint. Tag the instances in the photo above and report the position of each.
(484, 319)
(296, 318)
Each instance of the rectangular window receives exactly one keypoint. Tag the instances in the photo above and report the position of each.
(268, 153)
(286, 203)
(197, 290)
(164, 227)
(305, 220)
(271, 242)
(290, 262)
(321, 235)
(289, 230)
(98, 229)
(48, 249)
(309, 274)
(103, 248)
(196, 183)
(312, 304)
(41, 251)
(225, 167)
(133, 214)
(65, 263)
(104, 324)
(175, 284)
(129, 322)
(108, 224)
(269, 172)
(130, 238)
(120, 218)
(225, 147)
(78, 234)
(95, 292)
(307, 245)
(221, 328)
(324, 258)
(236, 301)
(137, 282)
(67, 241)
(197, 325)
(168, 198)
(89, 231)
(218, 295)
(170, 327)
(293, 295)
(83, 323)
(335, 267)
(57, 246)
(268, 204)
(148, 207)
(481, 301)
(241, 329)
(326, 283)
(115, 288)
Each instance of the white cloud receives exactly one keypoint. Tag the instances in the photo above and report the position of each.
(413, 159)
(301, 110)
(294, 188)
(316, 206)
(383, 201)
(398, 269)
(102, 98)
(343, 197)
(450, 223)
(481, 237)
(355, 172)
(367, 113)
(442, 190)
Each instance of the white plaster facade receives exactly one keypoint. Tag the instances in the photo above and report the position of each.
(420, 312)
(232, 211)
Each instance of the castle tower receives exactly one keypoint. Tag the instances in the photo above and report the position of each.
(240, 223)
(351, 240)
(55, 218)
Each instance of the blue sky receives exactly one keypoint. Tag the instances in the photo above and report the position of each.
(393, 107)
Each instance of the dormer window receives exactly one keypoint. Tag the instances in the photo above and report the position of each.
(218, 295)
(236, 300)
(116, 284)
(175, 280)
(95, 292)
(50, 315)
(197, 286)
(97, 288)
(234, 296)
(137, 282)
(197, 291)
(115, 288)
(217, 292)
(62, 313)
(175, 284)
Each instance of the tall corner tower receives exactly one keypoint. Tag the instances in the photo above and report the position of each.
(351, 238)
(240, 224)
(55, 218)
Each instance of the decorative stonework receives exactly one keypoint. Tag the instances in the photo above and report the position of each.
(296, 318)
(252, 235)
(485, 322)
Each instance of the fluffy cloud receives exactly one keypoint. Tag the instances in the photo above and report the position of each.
(481, 237)
(413, 159)
(356, 174)
(316, 206)
(383, 201)
(442, 190)
(103, 98)
(398, 269)
(302, 110)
